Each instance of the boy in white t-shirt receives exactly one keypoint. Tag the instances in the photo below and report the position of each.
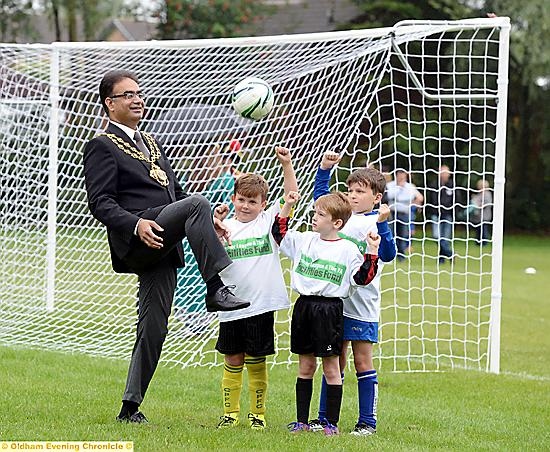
(324, 269)
(362, 307)
(247, 337)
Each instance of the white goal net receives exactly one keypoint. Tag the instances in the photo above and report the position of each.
(412, 97)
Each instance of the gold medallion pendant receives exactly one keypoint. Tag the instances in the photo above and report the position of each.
(158, 174)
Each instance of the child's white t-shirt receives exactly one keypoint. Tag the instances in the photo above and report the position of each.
(363, 302)
(256, 269)
(321, 267)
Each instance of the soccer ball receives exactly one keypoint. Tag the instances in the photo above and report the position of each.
(252, 98)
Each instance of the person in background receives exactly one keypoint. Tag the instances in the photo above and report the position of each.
(214, 178)
(481, 212)
(441, 198)
(402, 197)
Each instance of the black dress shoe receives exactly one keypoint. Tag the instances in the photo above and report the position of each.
(137, 418)
(224, 300)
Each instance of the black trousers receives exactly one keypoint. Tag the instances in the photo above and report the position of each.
(190, 217)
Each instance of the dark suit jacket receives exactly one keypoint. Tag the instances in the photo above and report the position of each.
(120, 191)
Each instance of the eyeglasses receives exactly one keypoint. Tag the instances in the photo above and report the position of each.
(129, 95)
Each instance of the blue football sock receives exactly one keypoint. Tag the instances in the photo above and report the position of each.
(367, 387)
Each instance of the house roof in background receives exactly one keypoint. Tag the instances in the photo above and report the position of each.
(306, 16)
(111, 30)
(290, 16)
(129, 30)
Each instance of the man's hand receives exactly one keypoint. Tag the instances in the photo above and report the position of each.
(221, 212)
(146, 233)
(383, 213)
(330, 159)
(283, 155)
(222, 231)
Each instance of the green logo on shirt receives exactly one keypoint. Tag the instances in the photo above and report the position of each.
(361, 245)
(320, 269)
(255, 246)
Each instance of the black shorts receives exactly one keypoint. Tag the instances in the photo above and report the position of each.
(253, 336)
(317, 326)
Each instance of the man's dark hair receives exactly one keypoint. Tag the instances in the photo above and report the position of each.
(109, 80)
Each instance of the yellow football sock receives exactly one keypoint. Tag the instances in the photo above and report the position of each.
(232, 383)
(257, 383)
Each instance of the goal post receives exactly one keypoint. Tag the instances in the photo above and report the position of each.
(52, 180)
(498, 218)
(411, 97)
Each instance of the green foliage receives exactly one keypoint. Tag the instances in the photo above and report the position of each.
(423, 134)
(206, 18)
(528, 141)
(79, 19)
(15, 19)
(93, 15)
(385, 13)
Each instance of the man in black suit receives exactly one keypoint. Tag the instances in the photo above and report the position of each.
(134, 192)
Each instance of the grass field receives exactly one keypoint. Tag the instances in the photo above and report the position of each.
(54, 396)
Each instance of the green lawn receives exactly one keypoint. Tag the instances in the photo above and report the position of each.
(55, 396)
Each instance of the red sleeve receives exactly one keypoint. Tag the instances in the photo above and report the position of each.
(367, 271)
(279, 228)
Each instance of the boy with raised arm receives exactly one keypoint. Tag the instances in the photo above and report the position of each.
(362, 307)
(247, 337)
(324, 268)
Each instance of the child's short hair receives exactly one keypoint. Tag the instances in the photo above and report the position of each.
(337, 205)
(251, 185)
(369, 177)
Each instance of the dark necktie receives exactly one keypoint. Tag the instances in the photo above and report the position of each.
(141, 145)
